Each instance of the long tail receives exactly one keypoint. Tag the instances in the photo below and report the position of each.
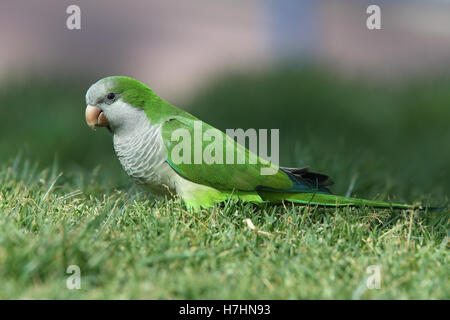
(330, 200)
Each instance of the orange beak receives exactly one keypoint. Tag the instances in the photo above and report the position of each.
(95, 117)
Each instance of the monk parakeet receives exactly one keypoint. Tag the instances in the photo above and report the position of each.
(144, 126)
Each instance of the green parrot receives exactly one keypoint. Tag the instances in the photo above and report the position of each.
(143, 127)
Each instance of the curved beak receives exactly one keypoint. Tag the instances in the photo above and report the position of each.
(95, 117)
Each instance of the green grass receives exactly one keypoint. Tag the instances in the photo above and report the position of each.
(128, 246)
(66, 201)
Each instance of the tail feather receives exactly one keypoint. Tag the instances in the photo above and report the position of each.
(329, 200)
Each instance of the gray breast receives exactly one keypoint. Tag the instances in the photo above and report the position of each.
(141, 153)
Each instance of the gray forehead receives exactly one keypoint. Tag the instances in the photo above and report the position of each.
(97, 91)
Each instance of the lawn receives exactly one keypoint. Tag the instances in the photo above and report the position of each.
(64, 199)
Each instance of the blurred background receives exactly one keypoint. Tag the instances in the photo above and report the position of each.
(371, 108)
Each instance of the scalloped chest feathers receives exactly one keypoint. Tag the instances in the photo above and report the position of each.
(143, 155)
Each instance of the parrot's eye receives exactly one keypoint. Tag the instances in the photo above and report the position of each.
(111, 96)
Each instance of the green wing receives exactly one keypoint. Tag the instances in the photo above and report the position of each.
(222, 175)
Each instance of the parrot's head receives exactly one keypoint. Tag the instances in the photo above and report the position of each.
(116, 102)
